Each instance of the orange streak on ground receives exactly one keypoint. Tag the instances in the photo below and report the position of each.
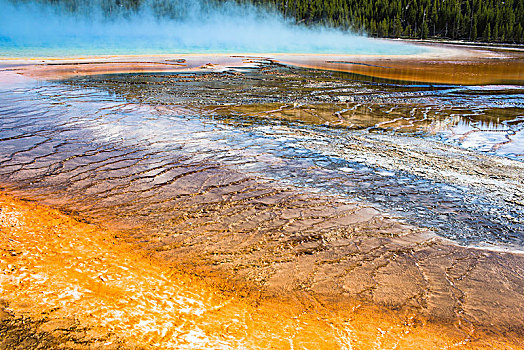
(55, 69)
(475, 72)
(444, 64)
(481, 70)
(55, 267)
(70, 70)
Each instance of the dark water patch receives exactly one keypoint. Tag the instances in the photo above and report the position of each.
(451, 114)
(336, 162)
(135, 161)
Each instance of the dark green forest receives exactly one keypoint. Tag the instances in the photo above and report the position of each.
(485, 20)
(471, 20)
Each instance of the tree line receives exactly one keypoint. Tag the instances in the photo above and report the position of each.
(472, 20)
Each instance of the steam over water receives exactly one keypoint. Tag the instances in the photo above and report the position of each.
(33, 29)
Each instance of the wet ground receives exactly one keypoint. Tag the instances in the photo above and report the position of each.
(410, 149)
(290, 181)
(71, 285)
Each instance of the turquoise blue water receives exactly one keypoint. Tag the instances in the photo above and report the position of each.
(77, 45)
(35, 30)
(19, 50)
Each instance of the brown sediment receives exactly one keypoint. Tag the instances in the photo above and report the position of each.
(75, 286)
(479, 72)
(444, 64)
(462, 65)
(237, 263)
(290, 266)
(53, 69)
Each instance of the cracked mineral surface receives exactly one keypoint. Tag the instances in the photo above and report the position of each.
(260, 205)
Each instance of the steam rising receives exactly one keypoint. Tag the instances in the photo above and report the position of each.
(29, 28)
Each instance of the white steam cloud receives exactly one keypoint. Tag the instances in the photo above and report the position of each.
(31, 28)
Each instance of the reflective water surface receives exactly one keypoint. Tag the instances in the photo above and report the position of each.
(291, 179)
(295, 128)
(347, 149)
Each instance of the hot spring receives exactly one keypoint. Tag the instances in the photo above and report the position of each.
(221, 178)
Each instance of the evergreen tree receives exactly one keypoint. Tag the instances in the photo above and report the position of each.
(487, 32)
(425, 30)
(473, 36)
(500, 20)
